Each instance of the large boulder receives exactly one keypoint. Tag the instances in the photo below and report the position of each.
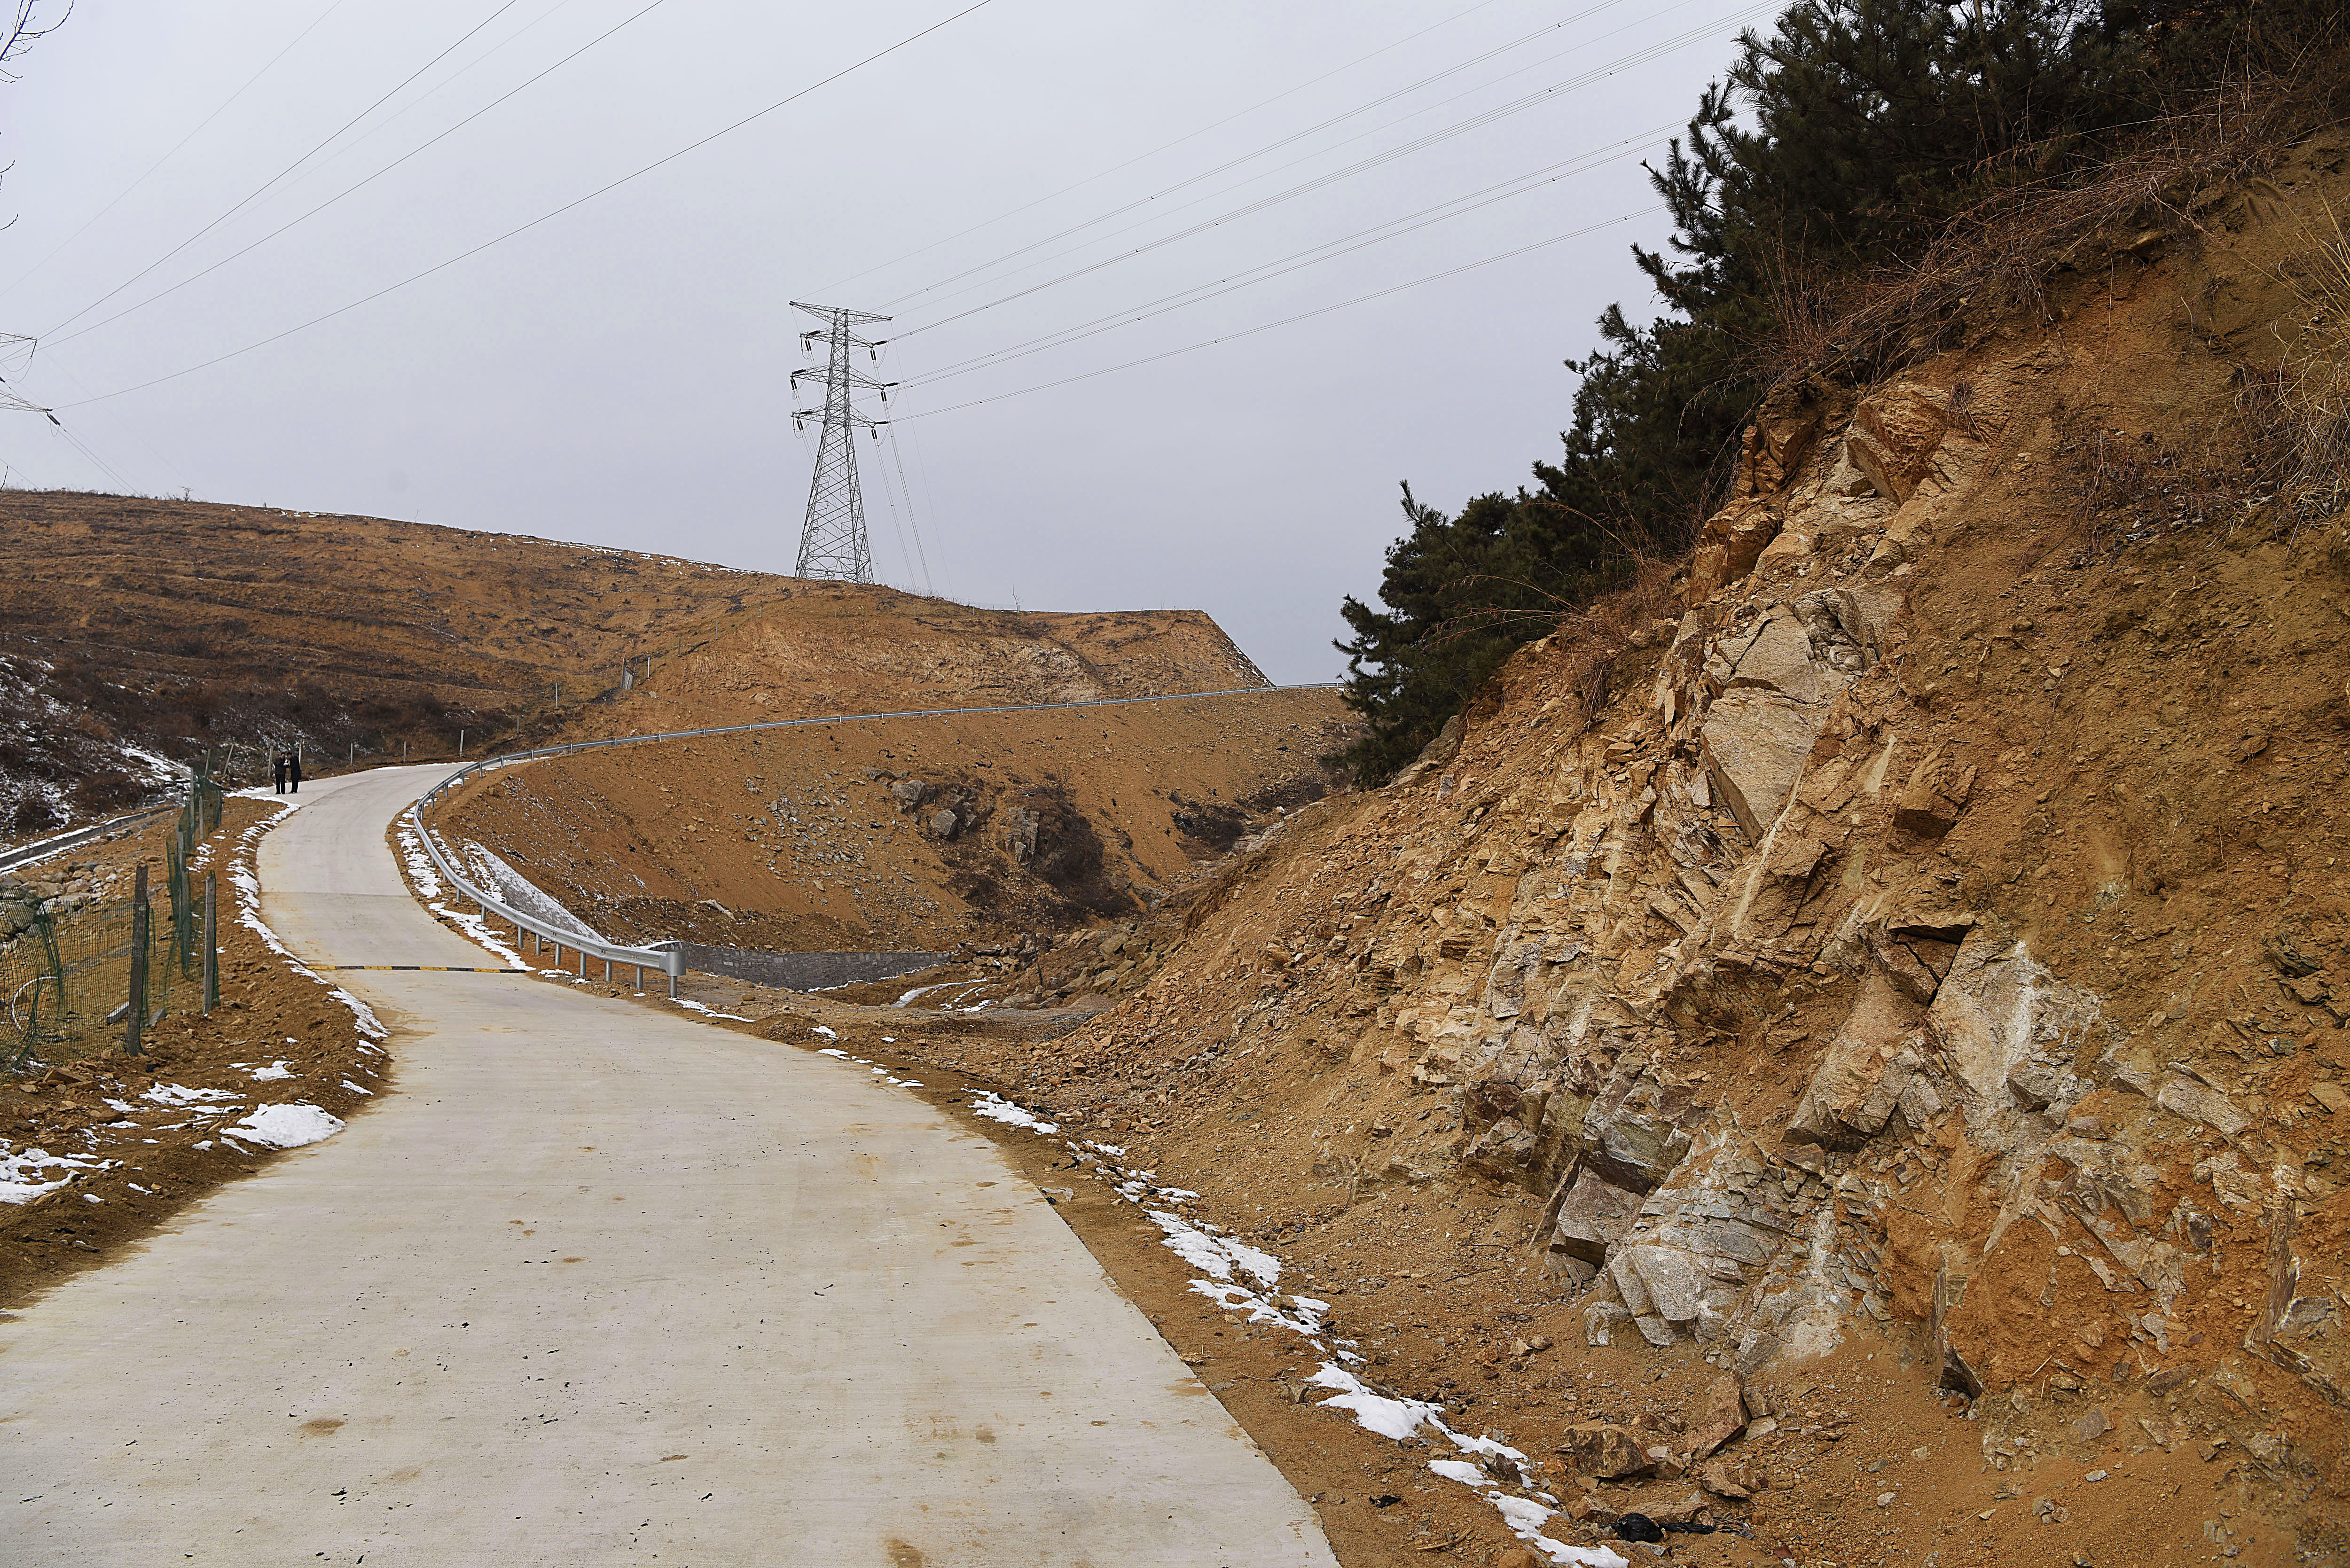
(1777, 675)
(1605, 1450)
(1872, 1066)
(1895, 435)
(1755, 745)
(1998, 1008)
(1020, 836)
(1592, 1216)
(19, 906)
(1724, 1417)
(1937, 791)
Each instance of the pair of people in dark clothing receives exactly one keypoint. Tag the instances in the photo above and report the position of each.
(285, 768)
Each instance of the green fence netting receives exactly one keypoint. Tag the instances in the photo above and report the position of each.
(73, 983)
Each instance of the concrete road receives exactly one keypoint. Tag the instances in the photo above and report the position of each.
(598, 1284)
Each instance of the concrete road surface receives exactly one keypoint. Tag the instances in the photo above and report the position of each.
(598, 1284)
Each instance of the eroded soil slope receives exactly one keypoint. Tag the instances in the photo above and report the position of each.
(842, 648)
(134, 629)
(1913, 964)
(908, 835)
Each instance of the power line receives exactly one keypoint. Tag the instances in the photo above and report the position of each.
(1271, 147)
(154, 460)
(929, 496)
(1292, 320)
(330, 10)
(281, 174)
(898, 528)
(898, 460)
(546, 217)
(1313, 255)
(1402, 149)
(1162, 147)
(443, 85)
(378, 174)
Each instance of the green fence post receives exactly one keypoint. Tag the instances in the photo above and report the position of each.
(137, 1022)
(44, 924)
(212, 943)
(175, 877)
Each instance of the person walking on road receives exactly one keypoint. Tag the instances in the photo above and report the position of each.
(278, 771)
(294, 771)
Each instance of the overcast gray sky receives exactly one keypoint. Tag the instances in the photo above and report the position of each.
(618, 373)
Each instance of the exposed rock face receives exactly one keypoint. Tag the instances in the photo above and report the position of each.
(1788, 973)
(1021, 837)
(1925, 919)
(19, 904)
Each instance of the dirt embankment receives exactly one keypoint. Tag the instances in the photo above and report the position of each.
(170, 626)
(1914, 971)
(910, 834)
(97, 1149)
(132, 628)
(829, 648)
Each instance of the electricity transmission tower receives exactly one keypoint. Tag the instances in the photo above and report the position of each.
(832, 540)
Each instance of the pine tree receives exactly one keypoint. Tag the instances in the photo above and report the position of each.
(1839, 144)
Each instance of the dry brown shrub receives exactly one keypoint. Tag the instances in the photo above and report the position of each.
(1999, 256)
(2302, 405)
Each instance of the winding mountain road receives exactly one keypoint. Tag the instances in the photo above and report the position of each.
(598, 1284)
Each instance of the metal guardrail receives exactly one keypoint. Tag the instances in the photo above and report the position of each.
(668, 960)
(27, 854)
(665, 956)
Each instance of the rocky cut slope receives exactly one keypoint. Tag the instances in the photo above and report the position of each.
(1936, 924)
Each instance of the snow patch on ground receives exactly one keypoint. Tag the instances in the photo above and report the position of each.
(425, 878)
(22, 1178)
(287, 1127)
(1214, 1255)
(961, 988)
(162, 771)
(1374, 1412)
(688, 1002)
(180, 1094)
(276, 1070)
(511, 887)
(996, 1109)
(1220, 1256)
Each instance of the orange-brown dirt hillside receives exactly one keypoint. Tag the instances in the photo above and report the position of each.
(839, 648)
(135, 632)
(1907, 975)
(908, 835)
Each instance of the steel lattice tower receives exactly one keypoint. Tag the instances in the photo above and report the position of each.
(832, 540)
